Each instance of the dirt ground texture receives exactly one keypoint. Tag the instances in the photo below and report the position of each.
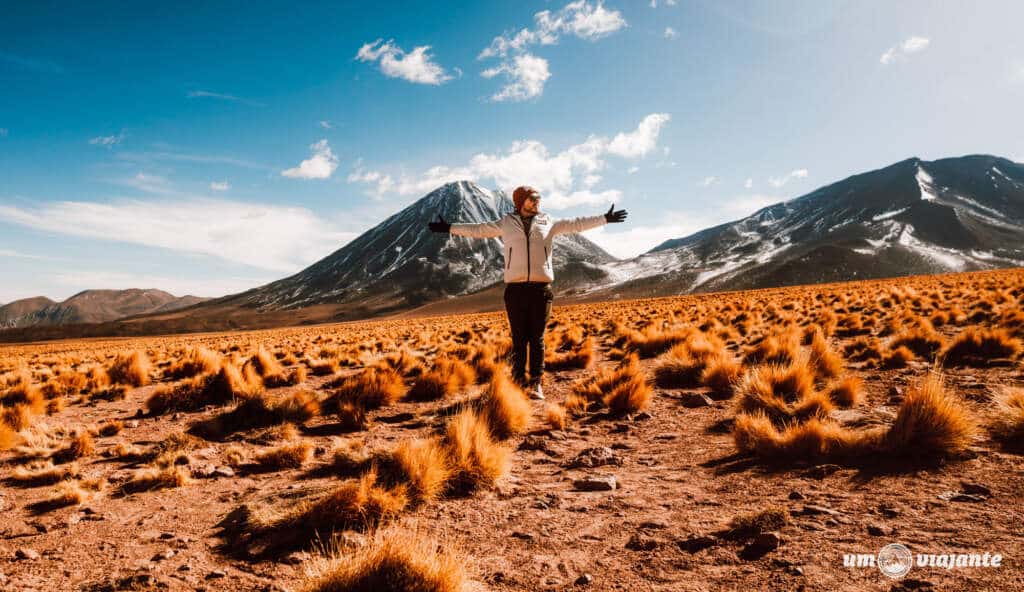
(679, 476)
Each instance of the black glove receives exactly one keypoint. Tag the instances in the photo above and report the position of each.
(440, 225)
(615, 216)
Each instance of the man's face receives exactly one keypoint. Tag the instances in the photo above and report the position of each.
(531, 205)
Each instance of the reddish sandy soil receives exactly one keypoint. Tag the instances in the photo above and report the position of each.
(678, 477)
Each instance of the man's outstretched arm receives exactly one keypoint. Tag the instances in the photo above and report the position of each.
(582, 223)
(482, 230)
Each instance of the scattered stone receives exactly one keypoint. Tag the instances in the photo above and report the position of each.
(975, 489)
(223, 472)
(216, 574)
(638, 542)
(821, 471)
(879, 530)
(764, 543)
(526, 536)
(693, 400)
(131, 423)
(643, 415)
(654, 524)
(667, 436)
(888, 511)
(620, 428)
(537, 443)
(912, 584)
(167, 554)
(796, 495)
(594, 457)
(957, 496)
(584, 580)
(185, 567)
(296, 558)
(814, 510)
(622, 446)
(557, 435)
(596, 483)
(695, 543)
(26, 554)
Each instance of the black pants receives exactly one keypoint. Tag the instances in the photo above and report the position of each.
(528, 305)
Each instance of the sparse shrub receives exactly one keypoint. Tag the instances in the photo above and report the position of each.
(395, 561)
(580, 357)
(431, 386)
(423, 465)
(132, 369)
(721, 374)
(80, 446)
(505, 408)
(352, 417)
(46, 474)
(921, 339)
(981, 347)
(784, 393)
(845, 392)
(896, 358)
(478, 461)
(227, 385)
(111, 428)
(750, 525)
(825, 362)
(780, 349)
(930, 423)
(555, 416)
(652, 341)
(629, 396)
(194, 362)
(1008, 427)
(158, 478)
(287, 456)
(576, 405)
(372, 388)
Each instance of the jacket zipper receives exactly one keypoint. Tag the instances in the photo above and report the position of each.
(525, 232)
(508, 263)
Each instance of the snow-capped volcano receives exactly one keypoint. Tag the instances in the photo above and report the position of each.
(400, 260)
(913, 217)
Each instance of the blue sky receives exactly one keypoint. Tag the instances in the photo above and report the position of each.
(206, 148)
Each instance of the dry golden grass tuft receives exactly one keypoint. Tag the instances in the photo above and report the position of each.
(1008, 427)
(653, 340)
(374, 387)
(227, 385)
(897, 357)
(825, 362)
(431, 386)
(505, 408)
(779, 348)
(110, 428)
(43, 474)
(721, 374)
(846, 391)
(157, 478)
(423, 465)
(131, 369)
(286, 456)
(931, 423)
(80, 446)
(920, 338)
(362, 503)
(981, 347)
(578, 357)
(555, 416)
(395, 561)
(478, 461)
(754, 523)
(195, 361)
(811, 441)
(576, 405)
(783, 393)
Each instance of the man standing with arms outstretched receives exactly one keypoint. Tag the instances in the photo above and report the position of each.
(528, 236)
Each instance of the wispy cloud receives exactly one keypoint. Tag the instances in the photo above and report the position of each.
(206, 94)
(709, 181)
(326, 124)
(147, 157)
(108, 141)
(901, 51)
(281, 239)
(527, 73)
(220, 185)
(564, 178)
(670, 33)
(780, 181)
(320, 165)
(34, 64)
(416, 66)
(19, 255)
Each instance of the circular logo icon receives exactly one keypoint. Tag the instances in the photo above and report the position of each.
(895, 560)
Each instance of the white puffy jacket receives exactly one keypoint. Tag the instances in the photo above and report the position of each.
(528, 257)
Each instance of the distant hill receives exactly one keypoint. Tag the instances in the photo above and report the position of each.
(90, 306)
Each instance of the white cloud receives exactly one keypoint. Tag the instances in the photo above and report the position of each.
(641, 141)
(909, 46)
(320, 165)
(526, 74)
(19, 255)
(415, 66)
(654, 3)
(108, 141)
(709, 181)
(326, 124)
(282, 239)
(670, 33)
(748, 184)
(220, 185)
(206, 94)
(633, 169)
(566, 179)
(780, 181)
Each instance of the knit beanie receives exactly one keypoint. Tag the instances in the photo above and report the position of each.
(520, 194)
